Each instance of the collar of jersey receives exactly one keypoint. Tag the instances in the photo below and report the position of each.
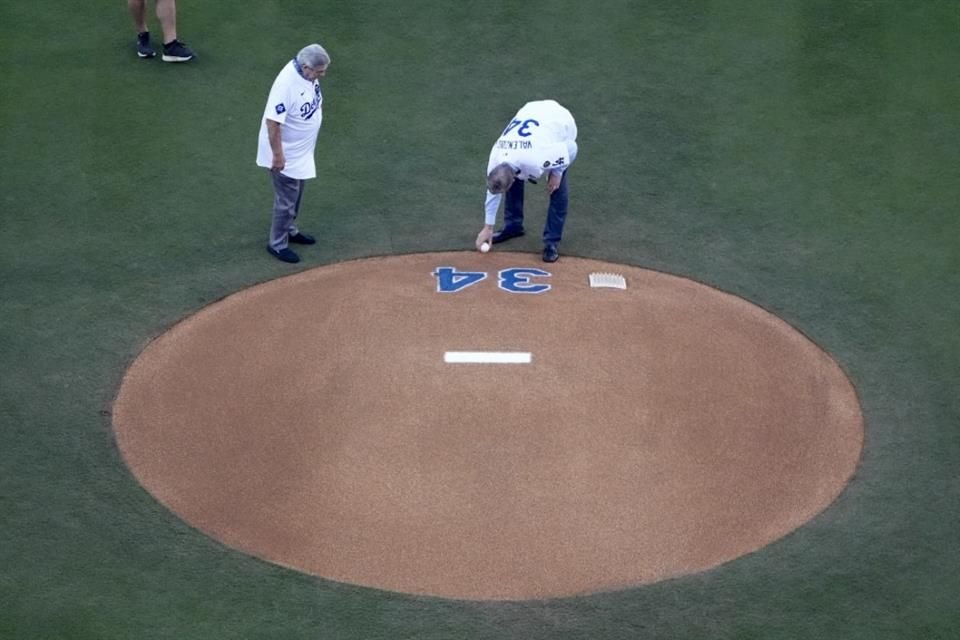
(296, 65)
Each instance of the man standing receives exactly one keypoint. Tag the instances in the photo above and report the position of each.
(288, 137)
(540, 138)
(173, 49)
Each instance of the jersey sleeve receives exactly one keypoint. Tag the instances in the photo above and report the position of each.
(554, 157)
(278, 102)
(490, 207)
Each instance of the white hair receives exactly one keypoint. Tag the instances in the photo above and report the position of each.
(500, 178)
(313, 56)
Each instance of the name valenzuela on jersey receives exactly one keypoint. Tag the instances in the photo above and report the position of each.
(514, 145)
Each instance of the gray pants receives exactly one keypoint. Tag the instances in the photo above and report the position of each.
(287, 194)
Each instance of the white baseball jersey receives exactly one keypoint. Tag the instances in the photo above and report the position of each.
(297, 104)
(541, 137)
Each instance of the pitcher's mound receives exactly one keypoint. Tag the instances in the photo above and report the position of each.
(622, 436)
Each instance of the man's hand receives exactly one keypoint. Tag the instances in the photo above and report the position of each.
(485, 235)
(279, 162)
(554, 182)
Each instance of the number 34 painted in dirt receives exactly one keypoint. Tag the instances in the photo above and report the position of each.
(514, 280)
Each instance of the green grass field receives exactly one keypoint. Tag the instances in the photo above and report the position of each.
(802, 154)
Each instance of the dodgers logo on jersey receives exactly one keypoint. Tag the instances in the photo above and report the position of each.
(307, 109)
(280, 108)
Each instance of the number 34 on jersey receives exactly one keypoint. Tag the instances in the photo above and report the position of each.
(513, 280)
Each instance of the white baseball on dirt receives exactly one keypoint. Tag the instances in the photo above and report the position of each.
(484, 247)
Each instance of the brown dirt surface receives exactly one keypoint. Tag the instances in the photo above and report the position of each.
(657, 431)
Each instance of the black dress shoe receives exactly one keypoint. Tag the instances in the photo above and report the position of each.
(302, 238)
(550, 253)
(286, 254)
(506, 233)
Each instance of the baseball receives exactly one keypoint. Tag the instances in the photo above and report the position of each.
(484, 247)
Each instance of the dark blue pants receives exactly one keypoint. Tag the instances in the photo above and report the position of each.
(556, 211)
